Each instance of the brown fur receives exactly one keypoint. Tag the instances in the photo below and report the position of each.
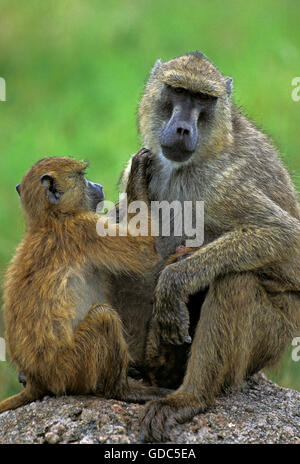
(132, 294)
(246, 274)
(61, 330)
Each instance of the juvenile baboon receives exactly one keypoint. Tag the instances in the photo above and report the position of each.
(246, 273)
(61, 330)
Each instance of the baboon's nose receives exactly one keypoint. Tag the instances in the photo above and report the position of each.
(183, 131)
(184, 136)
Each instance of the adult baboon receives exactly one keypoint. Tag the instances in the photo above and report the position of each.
(246, 273)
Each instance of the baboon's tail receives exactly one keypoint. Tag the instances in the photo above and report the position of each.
(15, 401)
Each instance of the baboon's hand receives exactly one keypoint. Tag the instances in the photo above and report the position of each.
(181, 253)
(137, 186)
(171, 317)
(22, 378)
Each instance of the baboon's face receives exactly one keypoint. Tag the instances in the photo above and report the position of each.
(186, 116)
(59, 185)
(185, 111)
(95, 194)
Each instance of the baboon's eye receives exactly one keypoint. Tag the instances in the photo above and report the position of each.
(175, 89)
(203, 96)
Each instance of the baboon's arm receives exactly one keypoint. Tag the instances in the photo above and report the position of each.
(124, 251)
(262, 235)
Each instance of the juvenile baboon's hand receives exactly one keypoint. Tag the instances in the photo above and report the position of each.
(171, 317)
(137, 186)
(181, 253)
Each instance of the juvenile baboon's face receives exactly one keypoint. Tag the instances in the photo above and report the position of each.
(58, 185)
(185, 112)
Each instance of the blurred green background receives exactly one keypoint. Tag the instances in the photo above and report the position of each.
(75, 71)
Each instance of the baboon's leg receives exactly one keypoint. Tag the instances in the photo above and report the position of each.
(100, 353)
(103, 356)
(240, 331)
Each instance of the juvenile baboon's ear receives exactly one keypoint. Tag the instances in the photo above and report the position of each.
(229, 85)
(48, 182)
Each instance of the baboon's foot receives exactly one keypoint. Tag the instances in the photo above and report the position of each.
(161, 415)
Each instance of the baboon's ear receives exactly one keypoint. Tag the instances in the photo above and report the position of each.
(155, 67)
(229, 85)
(199, 54)
(48, 182)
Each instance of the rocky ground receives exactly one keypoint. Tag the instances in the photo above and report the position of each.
(261, 413)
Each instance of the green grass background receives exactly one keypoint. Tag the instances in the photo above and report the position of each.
(75, 71)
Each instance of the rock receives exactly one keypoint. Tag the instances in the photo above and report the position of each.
(262, 412)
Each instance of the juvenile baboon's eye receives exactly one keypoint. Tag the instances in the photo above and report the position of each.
(178, 89)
